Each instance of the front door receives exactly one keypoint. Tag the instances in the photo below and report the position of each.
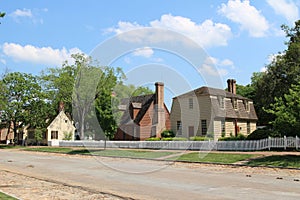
(191, 131)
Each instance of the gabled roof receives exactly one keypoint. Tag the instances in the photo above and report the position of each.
(203, 91)
(228, 111)
(61, 114)
(141, 102)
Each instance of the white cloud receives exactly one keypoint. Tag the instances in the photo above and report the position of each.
(247, 16)
(22, 13)
(146, 52)
(25, 14)
(214, 67)
(206, 69)
(288, 9)
(219, 63)
(206, 34)
(226, 62)
(44, 55)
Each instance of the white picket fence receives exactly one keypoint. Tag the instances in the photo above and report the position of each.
(244, 145)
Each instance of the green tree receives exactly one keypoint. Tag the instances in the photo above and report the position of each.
(105, 108)
(280, 74)
(58, 84)
(2, 14)
(38, 136)
(247, 91)
(20, 90)
(286, 110)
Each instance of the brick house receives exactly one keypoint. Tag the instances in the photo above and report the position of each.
(214, 111)
(143, 116)
(5, 133)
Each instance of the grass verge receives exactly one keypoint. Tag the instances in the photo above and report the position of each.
(221, 158)
(6, 197)
(291, 161)
(4, 146)
(109, 152)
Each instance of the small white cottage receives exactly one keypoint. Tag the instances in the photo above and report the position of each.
(61, 127)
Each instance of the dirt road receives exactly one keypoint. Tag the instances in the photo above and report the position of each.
(84, 177)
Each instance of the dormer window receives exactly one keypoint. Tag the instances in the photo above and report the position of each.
(234, 103)
(221, 101)
(246, 104)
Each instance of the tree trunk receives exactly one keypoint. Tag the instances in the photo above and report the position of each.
(15, 129)
(81, 124)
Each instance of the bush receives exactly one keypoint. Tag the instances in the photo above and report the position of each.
(167, 134)
(67, 136)
(167, 139)
(153, 139)
(179, 139)
(199, 138)
(233, 138)
(261, 134)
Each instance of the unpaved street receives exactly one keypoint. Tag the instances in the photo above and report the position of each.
(84, 177)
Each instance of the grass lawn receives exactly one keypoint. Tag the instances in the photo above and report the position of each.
(222, 158)
(6, 197)
(4, 146)
(109, 152)
(50, 149)
(292, 161)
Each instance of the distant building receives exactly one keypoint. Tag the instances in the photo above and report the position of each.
(5, 133)
(60, 126)
(143, 116)
(212, 111)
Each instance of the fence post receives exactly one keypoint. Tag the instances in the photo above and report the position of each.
(296, 143)
(285, 142)
(269, 143)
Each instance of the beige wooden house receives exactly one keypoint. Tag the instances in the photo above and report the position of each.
(212, 111)
(60, 127)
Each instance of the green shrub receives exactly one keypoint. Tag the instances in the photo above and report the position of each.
(233, 138)
(199, 138)
(223, 134)
(179, 139)
(167, 134)
(167, 139)
(67, 136)
(261, 134)
(153, 139)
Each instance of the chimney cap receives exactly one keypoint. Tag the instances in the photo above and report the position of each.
(159, 83)
(231, 79)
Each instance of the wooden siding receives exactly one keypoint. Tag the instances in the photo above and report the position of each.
(63, 125)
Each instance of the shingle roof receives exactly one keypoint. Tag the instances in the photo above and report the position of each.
(142, 102)
(228, 111)
(212, 91)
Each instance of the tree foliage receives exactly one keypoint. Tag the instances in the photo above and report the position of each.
(280, 74)
(2, 14)
(21, 92)
(286, 110)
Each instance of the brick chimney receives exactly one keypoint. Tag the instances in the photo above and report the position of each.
(159, 95)
(61, 106)
(231, 84)
(159, 108)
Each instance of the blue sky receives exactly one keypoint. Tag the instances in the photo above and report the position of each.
(239, 37)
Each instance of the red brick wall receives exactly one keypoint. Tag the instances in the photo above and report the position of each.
(146, 123)
(145, 126)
